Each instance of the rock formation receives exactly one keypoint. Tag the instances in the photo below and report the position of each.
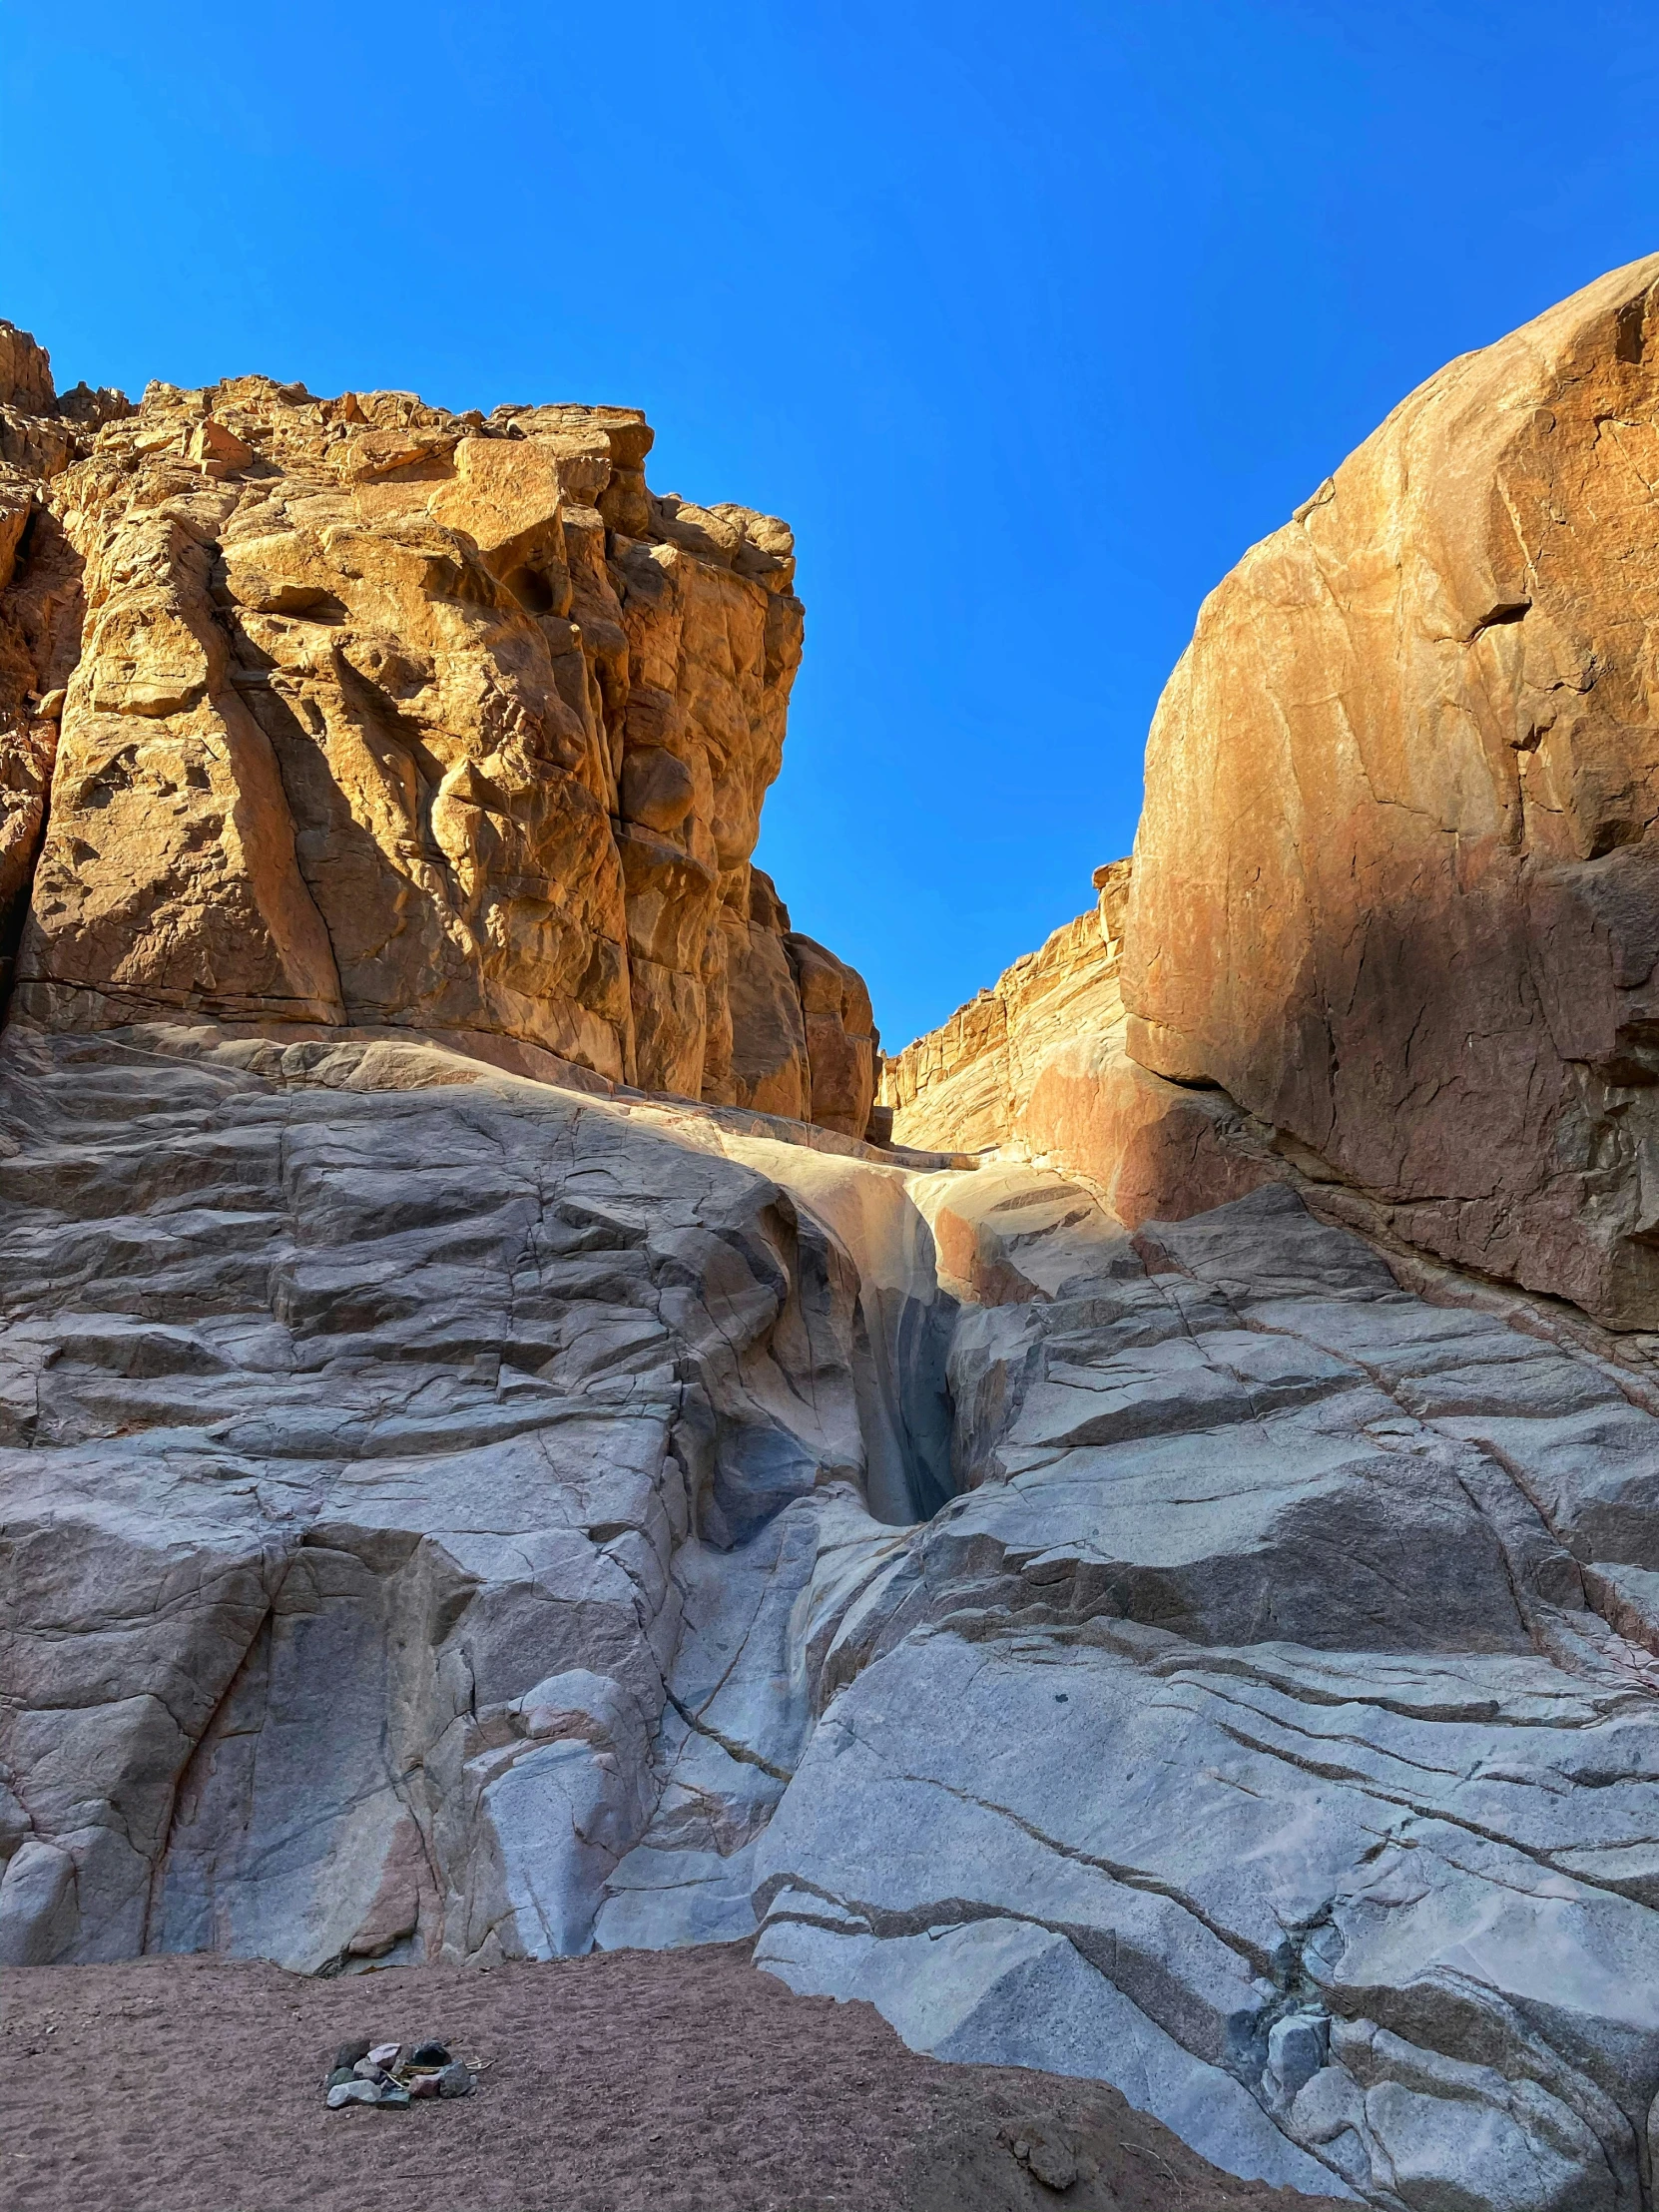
(972, 1079)
(1036, 1069)
(1396, 884)
(1063, 1586)
(369, 715)
(450, 1515)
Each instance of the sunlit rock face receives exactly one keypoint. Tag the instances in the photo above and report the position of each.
(368, 715)
(1058, 1586)
(1395, 882)
(1036, 1068)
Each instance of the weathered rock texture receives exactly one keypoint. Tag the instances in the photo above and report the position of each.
(448, 1516)
(40, 603)
(974, 1077)
(379, 717)
(1397, 884)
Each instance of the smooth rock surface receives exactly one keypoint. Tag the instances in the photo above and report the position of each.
(1394, 884)
(1242, 1692)
(349, 1440)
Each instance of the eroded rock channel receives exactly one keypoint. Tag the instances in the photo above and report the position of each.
(453, 1517)
(500, 1454)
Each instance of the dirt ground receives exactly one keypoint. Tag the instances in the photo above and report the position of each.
(631, 2081)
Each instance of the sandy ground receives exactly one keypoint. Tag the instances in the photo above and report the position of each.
(635, 2081)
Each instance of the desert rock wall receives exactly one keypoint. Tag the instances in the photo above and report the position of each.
(365, 715)
(1082, 1601)
(968, 1083)
(1396, 884)
(1036, 1069)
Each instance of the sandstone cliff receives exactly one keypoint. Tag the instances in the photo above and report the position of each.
(1036, 1069)
(972, 1078)
(463, 1511)
(369, 715)
(1397, 883)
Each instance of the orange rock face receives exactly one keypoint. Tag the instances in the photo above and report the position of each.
(380, 717)
(1397, 884)
(967, 1085)
(1036, 1069)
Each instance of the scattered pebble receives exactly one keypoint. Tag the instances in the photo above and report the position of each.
(382, 2073)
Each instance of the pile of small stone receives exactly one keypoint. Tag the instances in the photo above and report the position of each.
(389, 2073)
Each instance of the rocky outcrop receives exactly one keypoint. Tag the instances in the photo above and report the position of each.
(40, 603)
(384, 718)
(968, 1084)
(358, 1403)
(449, 1516)
(1394, 885)
(1062, 1587)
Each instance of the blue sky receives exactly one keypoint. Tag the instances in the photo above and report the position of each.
(1030, 320)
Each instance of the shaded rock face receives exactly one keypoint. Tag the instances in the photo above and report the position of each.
(1394, 884)
(40, 603)
(379, 717)
(450, 1516)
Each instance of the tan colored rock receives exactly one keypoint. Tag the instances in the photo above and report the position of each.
(1396, 885)
(1036, 1069)
(386, 717)
(966, 1085)
(40, 603)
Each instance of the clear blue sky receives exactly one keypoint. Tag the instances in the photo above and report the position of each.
(1028, 319)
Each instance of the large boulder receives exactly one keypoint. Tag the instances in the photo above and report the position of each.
(1397, 884)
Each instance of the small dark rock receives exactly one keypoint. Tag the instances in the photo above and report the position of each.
(394, 2094)
(454, 2081)
(424, 2085)
(429, 2054)
(340, 2074)
(348, 2054)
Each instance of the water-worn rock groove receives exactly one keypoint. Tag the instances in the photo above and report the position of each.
(450, 1516)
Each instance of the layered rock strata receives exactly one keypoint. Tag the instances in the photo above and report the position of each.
(1394, 885)
(972, 1078)
(446, 1516)
(371, 716)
